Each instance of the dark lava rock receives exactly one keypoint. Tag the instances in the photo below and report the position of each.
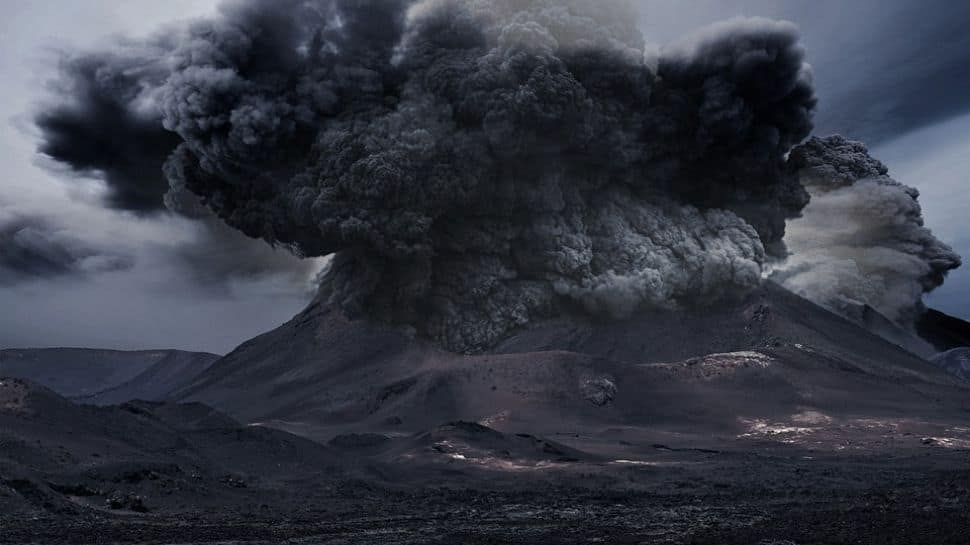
(599, 391)
(233, 481)
(354, 441)
(130, 502)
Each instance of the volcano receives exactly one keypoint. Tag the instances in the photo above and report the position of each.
(769, 357)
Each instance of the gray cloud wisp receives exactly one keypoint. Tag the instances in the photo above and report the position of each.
(33, 247)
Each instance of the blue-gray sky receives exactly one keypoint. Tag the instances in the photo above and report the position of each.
(891, 73)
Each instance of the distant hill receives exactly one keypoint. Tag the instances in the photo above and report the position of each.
(169, 374)
(943, 331)
(955, 361)
(85, 372)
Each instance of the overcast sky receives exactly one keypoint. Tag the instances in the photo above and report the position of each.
(890, 73)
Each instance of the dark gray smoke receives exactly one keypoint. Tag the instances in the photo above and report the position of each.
(106, 123)
(861, 240)
(106, 126)
(31, 247)
(477, 164)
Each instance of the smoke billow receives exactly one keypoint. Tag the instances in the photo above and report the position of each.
(108, 127)
(472, 165)
(106, 124)
(861, 240)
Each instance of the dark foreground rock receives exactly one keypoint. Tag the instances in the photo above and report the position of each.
(739, 500)
(154, 473)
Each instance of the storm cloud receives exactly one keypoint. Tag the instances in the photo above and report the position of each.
(475, 165)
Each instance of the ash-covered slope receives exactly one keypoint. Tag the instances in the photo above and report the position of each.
(768, 316)
(156, 383)
(770, 355)
(57, 456)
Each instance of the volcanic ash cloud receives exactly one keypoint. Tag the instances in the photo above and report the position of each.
(477, 165)
(861, 240)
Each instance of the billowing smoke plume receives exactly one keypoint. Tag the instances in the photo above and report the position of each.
(105, 123)
(108, 126)
(477, 164)
(861, 240)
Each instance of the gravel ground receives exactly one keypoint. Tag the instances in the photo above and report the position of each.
(744, 499)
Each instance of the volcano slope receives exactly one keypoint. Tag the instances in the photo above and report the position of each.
(696, 371)
(65, 468)
(763, 420)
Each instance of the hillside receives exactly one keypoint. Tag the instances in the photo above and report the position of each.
(57, 456)
(156, 383)
(86, 372)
